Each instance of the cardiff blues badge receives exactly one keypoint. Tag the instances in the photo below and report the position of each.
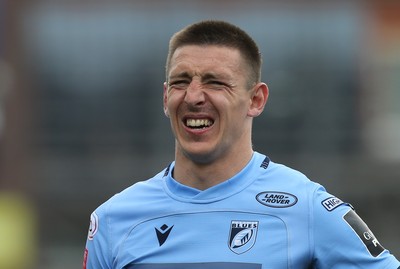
(242, 235)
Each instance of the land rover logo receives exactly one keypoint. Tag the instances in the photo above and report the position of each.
(276, 199)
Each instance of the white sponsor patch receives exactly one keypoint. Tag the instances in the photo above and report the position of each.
(94, 226)
(331, 203)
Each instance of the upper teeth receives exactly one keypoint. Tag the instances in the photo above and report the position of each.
(198, 122)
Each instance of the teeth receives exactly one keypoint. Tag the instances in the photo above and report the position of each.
(198, 122)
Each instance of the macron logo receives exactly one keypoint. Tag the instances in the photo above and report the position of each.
(163, 233)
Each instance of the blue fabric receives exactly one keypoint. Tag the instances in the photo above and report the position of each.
(267, 216)
(216, 265)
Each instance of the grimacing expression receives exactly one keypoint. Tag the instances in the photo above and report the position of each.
(208, 101)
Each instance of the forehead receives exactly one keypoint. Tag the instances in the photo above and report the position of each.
(194, 58)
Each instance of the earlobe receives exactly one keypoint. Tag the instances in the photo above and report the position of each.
(258, 99)
(165, 100)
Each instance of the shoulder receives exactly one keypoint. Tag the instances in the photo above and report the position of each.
(277, 180)
(283, 170)
(310, 190)
(112, 220)
(113, 217)
(290, 177)
(134, 196)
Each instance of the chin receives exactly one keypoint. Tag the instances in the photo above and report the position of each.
(203, 156)
(200, 157)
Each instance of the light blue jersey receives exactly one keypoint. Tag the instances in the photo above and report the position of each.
(268, 216)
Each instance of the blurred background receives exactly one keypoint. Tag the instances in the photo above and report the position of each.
(81, 108)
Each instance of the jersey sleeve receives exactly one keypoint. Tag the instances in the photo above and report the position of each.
(97, 251)
(342, 240)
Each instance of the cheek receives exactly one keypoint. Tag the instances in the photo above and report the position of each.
(172, 102)
(237, 115)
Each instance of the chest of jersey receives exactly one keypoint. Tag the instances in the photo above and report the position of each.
(210, 239)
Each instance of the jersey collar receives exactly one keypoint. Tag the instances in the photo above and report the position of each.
(237, 183)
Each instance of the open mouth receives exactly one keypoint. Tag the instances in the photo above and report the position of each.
(198, 123)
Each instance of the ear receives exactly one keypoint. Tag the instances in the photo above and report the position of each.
(165, 99)
(259, 97)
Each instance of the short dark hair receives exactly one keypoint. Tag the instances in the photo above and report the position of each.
(220, 33)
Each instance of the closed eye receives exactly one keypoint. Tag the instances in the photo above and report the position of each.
(217, 84)
(178, 84)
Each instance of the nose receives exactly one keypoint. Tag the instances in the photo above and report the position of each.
(194, 94)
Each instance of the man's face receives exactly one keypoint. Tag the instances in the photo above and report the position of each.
(207, 102)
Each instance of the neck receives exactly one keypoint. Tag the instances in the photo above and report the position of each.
(205, 175)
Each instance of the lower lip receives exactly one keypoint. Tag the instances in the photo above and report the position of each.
(197, 131)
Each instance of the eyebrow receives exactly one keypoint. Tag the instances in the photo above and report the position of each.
(205, 77)
(209, 76)
(180, 75)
